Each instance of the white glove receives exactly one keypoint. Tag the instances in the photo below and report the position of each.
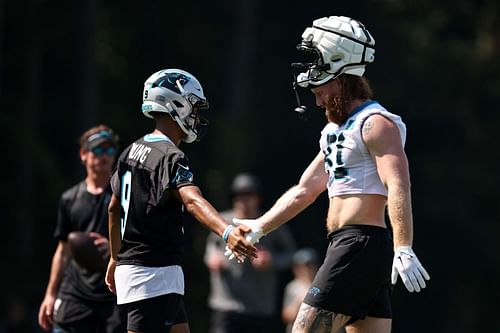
(409, 268)
(252, 237)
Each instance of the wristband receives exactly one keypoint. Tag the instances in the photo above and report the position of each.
(227, 231)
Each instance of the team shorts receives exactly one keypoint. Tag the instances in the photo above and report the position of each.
(84, 316)
(354, 279)
(156, 314)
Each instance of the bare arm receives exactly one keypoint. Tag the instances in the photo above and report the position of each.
(382, 139)
(207, 215)
(311, 184)
(60, 261)
(115, 241)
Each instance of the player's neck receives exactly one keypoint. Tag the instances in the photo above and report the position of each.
(97, 183)
(170, 129)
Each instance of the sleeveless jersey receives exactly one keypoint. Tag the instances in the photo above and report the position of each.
(348, 162)
(151, 217)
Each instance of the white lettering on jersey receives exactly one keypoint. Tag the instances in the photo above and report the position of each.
(139, 152)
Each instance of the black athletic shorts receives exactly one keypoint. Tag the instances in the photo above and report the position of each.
(355, 277)
(84, 316)
(157, 314)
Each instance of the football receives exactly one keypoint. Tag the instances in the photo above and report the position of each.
(85, 252)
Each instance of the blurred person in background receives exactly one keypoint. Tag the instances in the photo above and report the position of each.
(76, 298)
(153, 186)
(243, 297)
(363, 165)
(305, 263)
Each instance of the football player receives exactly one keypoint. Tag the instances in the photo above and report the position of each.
(362, 164)
(153, 186)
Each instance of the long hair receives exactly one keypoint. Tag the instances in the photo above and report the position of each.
(351, 87)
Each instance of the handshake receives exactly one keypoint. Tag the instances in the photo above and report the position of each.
(252, 237)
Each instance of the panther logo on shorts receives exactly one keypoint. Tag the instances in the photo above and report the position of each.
(314, 291)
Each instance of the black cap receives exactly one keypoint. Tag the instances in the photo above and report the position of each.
(101, 137)
(245, 183)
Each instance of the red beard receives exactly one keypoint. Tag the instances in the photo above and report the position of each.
(336, 111)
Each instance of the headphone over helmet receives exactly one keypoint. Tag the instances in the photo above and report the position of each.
(179, 94)
(333, 45)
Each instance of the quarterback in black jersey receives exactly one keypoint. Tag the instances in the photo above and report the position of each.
(77, 299)
(152, 187)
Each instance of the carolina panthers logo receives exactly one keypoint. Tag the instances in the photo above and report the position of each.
(169, 81)
(314, 291)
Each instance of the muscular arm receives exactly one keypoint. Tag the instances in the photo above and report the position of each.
(207, 215)
(384, 143)
(311, 184)
(201, 209)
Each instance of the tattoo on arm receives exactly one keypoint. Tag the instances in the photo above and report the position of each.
(313, 320)
(322, 322)
(367, 126)
(302, 316)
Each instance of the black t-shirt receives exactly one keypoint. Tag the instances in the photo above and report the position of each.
(80, 210)
(151, 217)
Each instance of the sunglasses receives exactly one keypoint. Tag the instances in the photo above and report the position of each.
(98, 151)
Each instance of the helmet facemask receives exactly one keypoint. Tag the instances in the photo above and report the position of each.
(194, 125)
(312, 66)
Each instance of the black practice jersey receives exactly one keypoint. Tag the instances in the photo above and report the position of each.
(80, 210)
(151, 217)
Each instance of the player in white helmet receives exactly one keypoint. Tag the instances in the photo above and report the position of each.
(337, 45)
(362, 164)
(179, 94)
(152, 187)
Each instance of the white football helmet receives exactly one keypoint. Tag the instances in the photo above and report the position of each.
(337, 44)
(179, 94)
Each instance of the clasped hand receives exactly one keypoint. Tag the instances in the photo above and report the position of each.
(252, 237)
(238, 243)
